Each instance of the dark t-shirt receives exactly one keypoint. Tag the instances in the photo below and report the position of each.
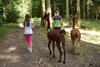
(57, 18)
(57, 21)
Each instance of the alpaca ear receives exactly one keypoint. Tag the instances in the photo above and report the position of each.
(63, 32)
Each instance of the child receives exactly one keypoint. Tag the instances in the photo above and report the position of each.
(57, 21)
(28, 26)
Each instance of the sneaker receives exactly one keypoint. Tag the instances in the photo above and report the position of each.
(30, 51)
(28, 48)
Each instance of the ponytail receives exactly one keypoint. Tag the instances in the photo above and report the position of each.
(27, 20)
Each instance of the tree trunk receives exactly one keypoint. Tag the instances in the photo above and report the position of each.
(67, 8)
(71, 2)
(84, 8)
(88, 8)
(30, 7)
(55, 5)
(70, 6)
(43, 7)
(48, 9)
(4, 13)
(9, 4)
(78, 12)
(4, 10)
(97, 15)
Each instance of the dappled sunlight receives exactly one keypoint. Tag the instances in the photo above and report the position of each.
(11, 58)
(90, 32)
(91, 39)
(21, 25)
(65, 24)
(88, 36)
(15, 59)
(11, 49)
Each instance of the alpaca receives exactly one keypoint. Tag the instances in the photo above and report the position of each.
(75, 36)
(58, 37)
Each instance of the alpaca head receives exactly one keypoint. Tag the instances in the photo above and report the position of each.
(46, 16)
(63, 32)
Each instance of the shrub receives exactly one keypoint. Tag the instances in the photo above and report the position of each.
(12, 15)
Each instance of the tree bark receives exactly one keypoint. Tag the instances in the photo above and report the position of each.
(4, 13)
(67, 8)
(43, 7)
(71, 2)
(9, 4)
(30, 7)
(48, 9)
(78, 12)
(84, 1)
(97, 15)
(4, 10)
(88, 8)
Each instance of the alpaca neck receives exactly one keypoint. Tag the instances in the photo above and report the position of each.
(74, 25)
(74, 22)
(48, 25)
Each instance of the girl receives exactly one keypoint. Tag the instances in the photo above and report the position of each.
(57, 21)
(28, 26)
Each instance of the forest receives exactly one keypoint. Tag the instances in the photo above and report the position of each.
(85, 9)
(13, 52)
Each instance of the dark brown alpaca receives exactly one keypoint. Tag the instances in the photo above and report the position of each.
(58, 37)
(75, 36)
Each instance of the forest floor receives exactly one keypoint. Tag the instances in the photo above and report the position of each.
(13, 52)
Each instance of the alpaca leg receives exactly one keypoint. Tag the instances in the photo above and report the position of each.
(73, 45)
(49, 46)
(54, 49)
(63, 45)
(60, 51)
(78, 46)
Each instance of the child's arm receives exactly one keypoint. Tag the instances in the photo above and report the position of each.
(33, 26)
(24, 26)
(61, 22)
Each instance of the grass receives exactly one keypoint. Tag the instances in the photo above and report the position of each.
(88, 24)
(35, 19)
(5, 28)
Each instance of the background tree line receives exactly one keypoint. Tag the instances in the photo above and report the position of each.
(11, 10)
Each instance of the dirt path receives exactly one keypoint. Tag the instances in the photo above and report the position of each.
(13, 53)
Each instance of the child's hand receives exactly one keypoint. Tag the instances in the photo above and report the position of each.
(33, 26)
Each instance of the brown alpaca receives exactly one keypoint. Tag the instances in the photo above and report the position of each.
(75, 36)
(58, 37)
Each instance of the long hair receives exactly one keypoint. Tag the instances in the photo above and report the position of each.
(27, 20)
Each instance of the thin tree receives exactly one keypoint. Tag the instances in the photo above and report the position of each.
(78, 11)
(4, 3)
(67, 8)
(84, 7)
(43, 7)
(88, 8)
(30, 7)
(48, 9)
